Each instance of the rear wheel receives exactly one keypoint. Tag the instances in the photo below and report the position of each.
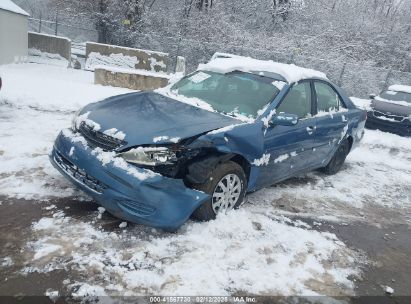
(226, 187)
(338, 159)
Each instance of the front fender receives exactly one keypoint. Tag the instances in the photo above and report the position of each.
(246, 140)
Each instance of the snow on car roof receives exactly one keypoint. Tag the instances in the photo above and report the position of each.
(290, 72)
(10, 6)
(400, 88)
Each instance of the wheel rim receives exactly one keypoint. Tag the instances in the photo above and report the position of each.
(226, 193)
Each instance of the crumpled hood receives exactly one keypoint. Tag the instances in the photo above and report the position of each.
(391, 108)
(148, 118)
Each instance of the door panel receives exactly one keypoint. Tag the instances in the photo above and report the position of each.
(290, 147)
(330, 120)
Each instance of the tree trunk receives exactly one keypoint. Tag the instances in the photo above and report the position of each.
(101, 24)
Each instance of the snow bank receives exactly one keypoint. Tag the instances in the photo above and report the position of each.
(290, 72)
(36, 102)
(241, 251)
(375, 174)
(51, 88)
(37, 56)
(361, 103)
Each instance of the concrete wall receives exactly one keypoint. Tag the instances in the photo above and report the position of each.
(147, 60)
(129, 79)
(13, 37)
(50, 44)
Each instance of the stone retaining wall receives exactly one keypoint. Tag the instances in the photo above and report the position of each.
(131, 79)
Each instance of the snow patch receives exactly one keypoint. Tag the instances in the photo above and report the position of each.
(6, 262)
(52, 294)
(196, 102)
(132, 71)
(279, 84)
(111, 158)
(364, 104)
(266, 120)
(400, 88)
(223, 129)
(84, 118)
(285, 256)
(37, 56)
(95, 59)
(166, 138)
(263, 161)
(156, 63)
(389, 290)
(290, 72)
(113, 132)
(199, 77)
(281, 158)
(45, 250)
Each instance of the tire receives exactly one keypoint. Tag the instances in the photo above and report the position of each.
(223, 171)
(338, 158)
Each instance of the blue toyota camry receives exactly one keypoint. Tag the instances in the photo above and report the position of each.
(197, 147)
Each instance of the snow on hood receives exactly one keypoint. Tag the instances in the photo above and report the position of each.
(397, 106)
(149, 118)
(400, 108)
(290, 72)
(400, 88)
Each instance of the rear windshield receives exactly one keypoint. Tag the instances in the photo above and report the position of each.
(396, 96)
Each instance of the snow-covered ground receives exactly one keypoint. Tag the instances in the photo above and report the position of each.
(259, 249)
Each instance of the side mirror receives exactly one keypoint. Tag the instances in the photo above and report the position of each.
(284, 119)
(372, 96)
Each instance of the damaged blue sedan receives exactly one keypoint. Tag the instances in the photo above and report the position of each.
(197, 147)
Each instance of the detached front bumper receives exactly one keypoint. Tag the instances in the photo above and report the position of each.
(155, 201)
(402, 128)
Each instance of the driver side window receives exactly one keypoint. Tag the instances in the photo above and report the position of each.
(297, 101)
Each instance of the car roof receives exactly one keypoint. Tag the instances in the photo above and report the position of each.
(226, 63)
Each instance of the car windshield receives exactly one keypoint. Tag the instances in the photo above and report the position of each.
(235, 93)
(396, 96)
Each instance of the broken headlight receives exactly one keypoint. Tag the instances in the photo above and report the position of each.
(151, 156)
(74, 120)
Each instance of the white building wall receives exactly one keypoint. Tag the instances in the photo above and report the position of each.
(13, 37)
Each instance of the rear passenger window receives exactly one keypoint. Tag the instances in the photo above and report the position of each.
(327, 98)
(297, 101)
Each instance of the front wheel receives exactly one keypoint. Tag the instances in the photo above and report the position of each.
(226, 186)
(338, 159)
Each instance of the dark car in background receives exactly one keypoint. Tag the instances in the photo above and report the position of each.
(391, 111)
